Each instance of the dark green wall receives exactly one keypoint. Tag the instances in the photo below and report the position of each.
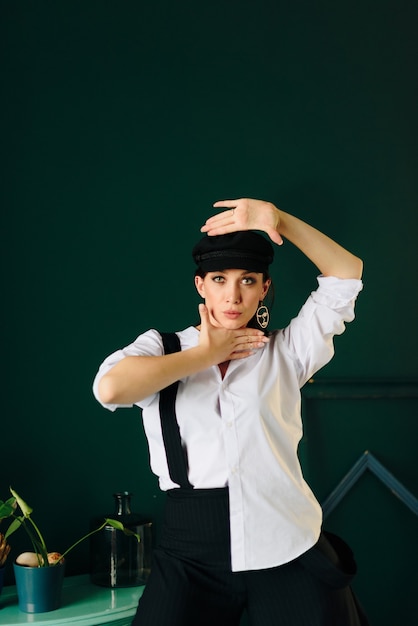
(121, 123)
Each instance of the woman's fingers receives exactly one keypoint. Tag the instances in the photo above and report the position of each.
(251, 342)
(230, 220)
(228, 344)
(220, 224)
(244, 214)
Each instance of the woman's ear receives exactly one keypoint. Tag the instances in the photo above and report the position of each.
(200, 286)
(266, 287)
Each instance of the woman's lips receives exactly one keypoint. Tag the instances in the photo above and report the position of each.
(233, 315)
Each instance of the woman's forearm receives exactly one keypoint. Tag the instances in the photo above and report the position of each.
(136, 377)
(329, 257)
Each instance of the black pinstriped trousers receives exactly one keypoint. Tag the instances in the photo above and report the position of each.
(191, 582)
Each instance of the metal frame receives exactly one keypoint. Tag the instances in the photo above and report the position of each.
(368, 462)
(360, 389)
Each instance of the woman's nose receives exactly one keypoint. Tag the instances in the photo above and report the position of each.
(234, 295)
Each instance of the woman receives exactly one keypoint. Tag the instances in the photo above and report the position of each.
(242, 529)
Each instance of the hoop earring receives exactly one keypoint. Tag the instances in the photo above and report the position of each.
(263, 316)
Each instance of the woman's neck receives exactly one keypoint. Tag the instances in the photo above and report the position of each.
(223, 367)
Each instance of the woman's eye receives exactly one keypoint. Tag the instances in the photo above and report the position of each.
(248, 280)
(218, 279)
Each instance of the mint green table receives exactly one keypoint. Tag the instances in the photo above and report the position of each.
(83, 604)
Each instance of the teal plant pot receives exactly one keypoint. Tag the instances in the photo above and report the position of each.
(39, 589)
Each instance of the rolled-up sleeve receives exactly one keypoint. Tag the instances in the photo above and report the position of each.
(309, 336)
(147, 344)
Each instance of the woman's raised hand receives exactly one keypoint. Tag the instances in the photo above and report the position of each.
(245, 214)
(224, 344)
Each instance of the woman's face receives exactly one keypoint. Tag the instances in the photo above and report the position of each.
(232, 296)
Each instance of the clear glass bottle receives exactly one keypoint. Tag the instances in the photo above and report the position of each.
(116, 559)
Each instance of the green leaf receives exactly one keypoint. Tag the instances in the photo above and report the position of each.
(17, 522)
(25, 508)
(7, 508)
(120, 526)
(115, 524)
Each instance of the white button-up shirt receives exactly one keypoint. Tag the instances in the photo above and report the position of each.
(243, 430)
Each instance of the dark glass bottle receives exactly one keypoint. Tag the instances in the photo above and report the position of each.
(116, 559)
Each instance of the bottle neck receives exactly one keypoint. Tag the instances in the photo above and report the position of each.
(122, 503)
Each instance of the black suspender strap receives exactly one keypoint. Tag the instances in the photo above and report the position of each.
(176, 456)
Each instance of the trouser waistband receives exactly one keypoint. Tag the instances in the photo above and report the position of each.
(196, 526)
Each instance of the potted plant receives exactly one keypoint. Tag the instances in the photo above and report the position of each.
(4, 553)
(39, 571)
